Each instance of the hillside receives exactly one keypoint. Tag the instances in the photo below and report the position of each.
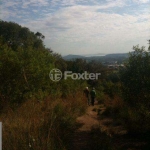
(39, 112)
(72, 57)
(109, 58)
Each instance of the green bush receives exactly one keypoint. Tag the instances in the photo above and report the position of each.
(135, 88)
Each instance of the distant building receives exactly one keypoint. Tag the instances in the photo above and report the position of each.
(115, 66)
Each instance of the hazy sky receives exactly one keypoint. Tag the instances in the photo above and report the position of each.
(83, 26)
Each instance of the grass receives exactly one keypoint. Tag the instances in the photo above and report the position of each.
(44, 125)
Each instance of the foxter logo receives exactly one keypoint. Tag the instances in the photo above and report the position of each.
(83, 76)
(56, 75)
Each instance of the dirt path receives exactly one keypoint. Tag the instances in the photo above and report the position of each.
(83, 134)
(96, 132)
(89, 120)
(88, 136)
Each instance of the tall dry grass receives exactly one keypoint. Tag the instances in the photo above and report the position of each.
(45, 125)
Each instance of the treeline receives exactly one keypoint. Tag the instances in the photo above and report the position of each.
(127, 93)
(25, 64)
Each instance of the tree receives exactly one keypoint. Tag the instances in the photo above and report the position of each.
(135, 78)
(40, 35)
(24, 66)
(15, 36)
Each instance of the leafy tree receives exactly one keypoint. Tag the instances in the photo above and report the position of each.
(16, 36)
(24, 72)
(39, 35)
(77, 66)
(135, 78)
(25, 64)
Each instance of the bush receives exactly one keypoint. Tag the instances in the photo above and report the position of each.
(41, 125)
(135, 88)
(138, 119)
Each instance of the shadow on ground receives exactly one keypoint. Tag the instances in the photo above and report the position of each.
(97, 140)
(96, 132)
(90, 140)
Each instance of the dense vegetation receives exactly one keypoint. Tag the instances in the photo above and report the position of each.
(38, 113)
(24, 69)
(136, 89)
(40, 109)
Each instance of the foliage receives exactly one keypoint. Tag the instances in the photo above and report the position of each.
(24, 72)
(45, 125)
(46, 110)
(135, 77)
(16, 36)
(135, 87)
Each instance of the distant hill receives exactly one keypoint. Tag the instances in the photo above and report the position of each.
(102, 58)
(72, 57)
(117, 55)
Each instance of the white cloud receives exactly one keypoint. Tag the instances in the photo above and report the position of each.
(141, 1)
(74, 28)
(82, 27)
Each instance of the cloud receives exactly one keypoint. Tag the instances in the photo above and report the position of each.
(83, 27)
(28, 3)
(108, 4)
(5, 6)
(75, 26)
(141, 1)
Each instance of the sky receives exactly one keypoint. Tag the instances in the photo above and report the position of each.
(83, 26)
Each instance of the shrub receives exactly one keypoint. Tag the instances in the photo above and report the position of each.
(135, 88)
(41, 125)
